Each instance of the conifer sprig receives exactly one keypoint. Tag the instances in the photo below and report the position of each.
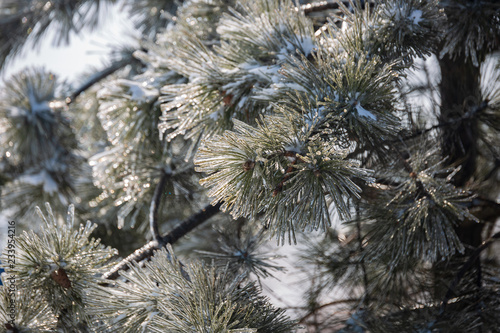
(166, 295)
(471, 29)
(239, 248)
(226, 81)
(393, 30)
(353, 97)
(279, 168)
(421, 213)
(21, 311)
(285, 124)
(58, 267)
(37, 143)
(128, 170)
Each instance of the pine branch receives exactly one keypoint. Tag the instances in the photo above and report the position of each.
(147, 251)
(155, 205)
(119, 64)
(362, 261)
(321, 6)
(469, 115)
(468, 264)
(493, 170)
(322, 306)
(422, 192)
(484, 209)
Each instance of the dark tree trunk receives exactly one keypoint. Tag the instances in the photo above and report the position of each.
(459, 90)
(460, 94)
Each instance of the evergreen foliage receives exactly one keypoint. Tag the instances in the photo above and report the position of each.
(43, 162)
(363, 133)
(56, 269)
(167, 296)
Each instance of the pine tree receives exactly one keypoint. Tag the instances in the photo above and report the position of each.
(364, 133)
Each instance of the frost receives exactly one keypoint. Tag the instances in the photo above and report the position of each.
(416, 16)
(277, 88)
(16, 112)
(304, 44)
(139, 92)
(268, 72)
(290, 85)
(295, 146)
(37, 106)
(314, 116)
(152, 314)
(242, 102)
(360, 109)
(217, 114)
(307, 44)
(364, 113)
(41, 178)
(119, 318)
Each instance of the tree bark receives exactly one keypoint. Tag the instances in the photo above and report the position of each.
(459, 90)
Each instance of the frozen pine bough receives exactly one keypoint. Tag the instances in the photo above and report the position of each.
(362, 134)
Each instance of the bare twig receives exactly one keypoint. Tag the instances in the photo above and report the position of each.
(180, 230)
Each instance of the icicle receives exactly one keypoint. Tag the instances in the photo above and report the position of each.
(70, 219)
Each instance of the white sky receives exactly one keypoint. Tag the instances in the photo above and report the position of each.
(87, 50)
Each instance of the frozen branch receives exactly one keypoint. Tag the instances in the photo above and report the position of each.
(153, 210)
(362, 261)
(147, 251)
(100, 76)
(469, 115)
(322, 306)
(468, 264)
(321, 6)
